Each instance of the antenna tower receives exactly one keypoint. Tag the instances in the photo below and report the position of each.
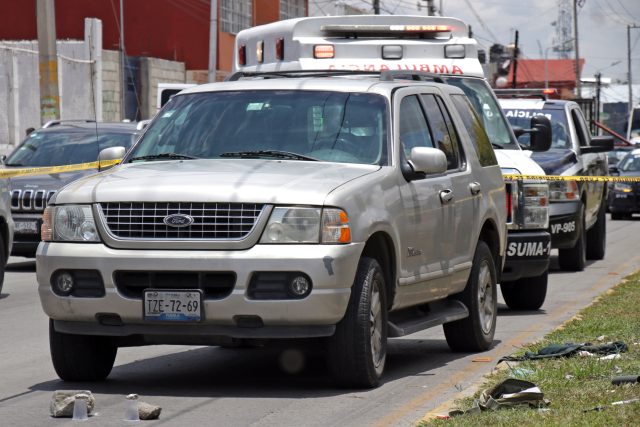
(563, 39)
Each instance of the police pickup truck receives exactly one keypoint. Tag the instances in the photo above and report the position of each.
(439, 46)
(577, 223)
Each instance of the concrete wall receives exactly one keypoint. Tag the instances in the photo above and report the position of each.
(111, 86)
(152, 72)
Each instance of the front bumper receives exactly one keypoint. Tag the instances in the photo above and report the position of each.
(331, 268)
(625, 203)
(527, 254)
(564, 224)
(26, 235)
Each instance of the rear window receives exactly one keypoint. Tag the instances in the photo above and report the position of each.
(472, 124)
(66, 147)
(328, 126)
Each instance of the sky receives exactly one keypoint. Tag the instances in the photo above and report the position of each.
(602, 28)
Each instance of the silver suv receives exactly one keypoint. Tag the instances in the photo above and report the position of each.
(346, 208)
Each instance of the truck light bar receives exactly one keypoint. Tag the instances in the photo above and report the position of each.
(387, 28)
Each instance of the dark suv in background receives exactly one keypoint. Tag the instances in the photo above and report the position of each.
(57, 143)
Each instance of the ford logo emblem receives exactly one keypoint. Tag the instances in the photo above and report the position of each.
(178, 220)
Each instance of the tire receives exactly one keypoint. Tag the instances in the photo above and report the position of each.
(597, 236)
(527, 293)
(81, 357)
(475, 333)
(357, 351)
(575, 258)
(3, 261)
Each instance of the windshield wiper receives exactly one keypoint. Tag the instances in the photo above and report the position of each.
(163, 156)
(276, 154)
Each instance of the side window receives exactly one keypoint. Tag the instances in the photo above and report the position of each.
(440, 130)
(414, 131)
(578, 123)
(472, 124)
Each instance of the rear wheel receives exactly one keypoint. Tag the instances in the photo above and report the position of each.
(357, 351)
(475, 333)
(575, 258)
(525, 294)
(597, 236)
(81, 357)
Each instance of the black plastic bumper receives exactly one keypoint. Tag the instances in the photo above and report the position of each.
(624, 203)
(26, 248)
(564, 224)
(527, 254)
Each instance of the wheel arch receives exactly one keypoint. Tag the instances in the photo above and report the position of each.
(490, 235)
(379, 246)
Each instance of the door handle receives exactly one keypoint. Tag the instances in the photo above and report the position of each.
(475, 187)
(446, 196)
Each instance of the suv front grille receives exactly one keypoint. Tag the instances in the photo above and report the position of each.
(30, 200)
(210, 221)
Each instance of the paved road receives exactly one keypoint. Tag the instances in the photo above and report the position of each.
(241, 387)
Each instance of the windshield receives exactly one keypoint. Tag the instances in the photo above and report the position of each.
(560, 136)
(66, 147)
(487, 108)
(327, 126)
(631, 163)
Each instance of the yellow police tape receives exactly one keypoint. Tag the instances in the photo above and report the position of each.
(583, 178)
(8, 173)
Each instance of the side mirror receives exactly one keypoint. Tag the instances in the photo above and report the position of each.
(599, 144)
(613, 170)
(3, 158)
(109, 154)
(540, 133)
(427, 160)
(142, 124)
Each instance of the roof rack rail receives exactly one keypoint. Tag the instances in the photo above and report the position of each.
(296, 73)
(421, 76)
(526, 93)
(52, 123)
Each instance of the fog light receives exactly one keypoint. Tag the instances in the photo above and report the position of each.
(64, 283)
(300, 286)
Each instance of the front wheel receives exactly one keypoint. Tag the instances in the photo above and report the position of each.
(575, 258)
(525, 294)
(81, 357)
(475, 333)
(597, 236)
(357, 351)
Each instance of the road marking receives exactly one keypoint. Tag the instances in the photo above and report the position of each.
(472, 368)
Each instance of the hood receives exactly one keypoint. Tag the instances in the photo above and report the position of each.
(556, 160)
(215, 180)
(518, 159)
(47, 182)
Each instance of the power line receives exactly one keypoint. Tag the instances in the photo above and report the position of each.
(479, 19)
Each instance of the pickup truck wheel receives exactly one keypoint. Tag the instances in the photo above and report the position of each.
(475, 333)
(81, 357)
(575, 258)
(597, 236)
(527, 293)
(3, 262)
(357, 351)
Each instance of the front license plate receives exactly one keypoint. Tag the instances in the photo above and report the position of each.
(26, 227)
(173, 306)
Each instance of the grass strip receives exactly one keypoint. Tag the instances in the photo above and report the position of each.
(577, 383)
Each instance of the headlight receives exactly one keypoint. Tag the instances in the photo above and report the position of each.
(536, 205)
(69, 223)
(622, 187)
(561, 191)
(307, 225)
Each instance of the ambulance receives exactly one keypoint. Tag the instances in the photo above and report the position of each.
(437, 49)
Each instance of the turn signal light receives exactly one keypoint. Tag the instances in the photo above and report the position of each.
(280, 49)
(242, 55)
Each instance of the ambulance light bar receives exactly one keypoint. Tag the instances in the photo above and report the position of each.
(386, 28)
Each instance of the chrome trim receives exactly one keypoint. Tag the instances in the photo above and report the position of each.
(15, 201)
(30, 200)
(24, 198)
(42, 194)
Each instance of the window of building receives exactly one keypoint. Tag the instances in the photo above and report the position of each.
(291, 9)
(236, 15)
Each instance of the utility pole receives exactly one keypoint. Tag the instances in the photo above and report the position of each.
(598, 86)
(575, 41)
(376, 7)
(629, 27)
(515, 62)
(431, 8)
(48, 61)
(213, 41)
(123, 70)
